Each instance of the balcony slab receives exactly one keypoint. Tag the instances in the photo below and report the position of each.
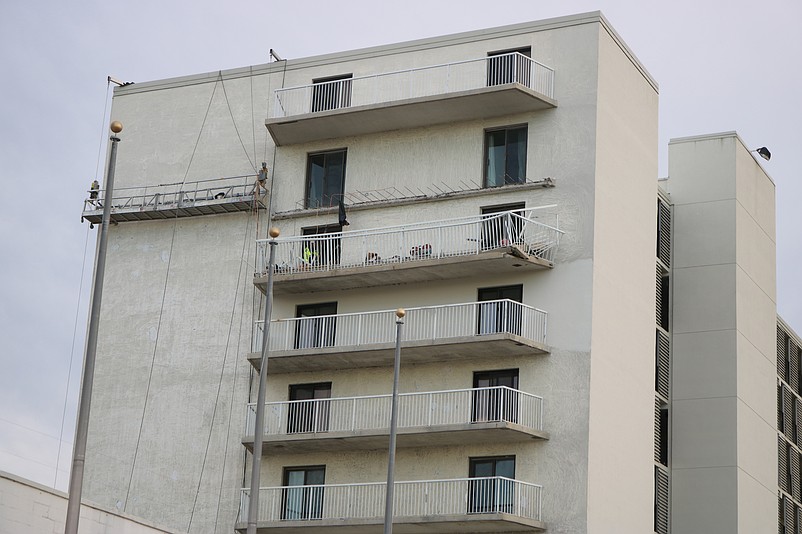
(486, 102)
(412, 352)
(421, 436)
(497, 261)
(451, 524)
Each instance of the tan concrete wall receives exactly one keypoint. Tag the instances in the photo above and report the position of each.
(29, 507)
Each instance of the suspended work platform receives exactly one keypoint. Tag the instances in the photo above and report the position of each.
(181, 199)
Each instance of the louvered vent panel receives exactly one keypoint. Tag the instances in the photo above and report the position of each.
(788, 415)
(663, 365)
(661, 501)
(798, 514)
(793, 372)
(780, 516)
(781, 340)
(780, 409)
(658, 300)
(795, 357)
(657, 430)
(794, 473)
(664, 233)
(781, 337)
(798, 418)
(788, 512)
(782, 464)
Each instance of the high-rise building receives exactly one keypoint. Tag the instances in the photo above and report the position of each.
(500, 186)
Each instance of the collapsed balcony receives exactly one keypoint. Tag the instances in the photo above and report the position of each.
(458, 506)
(434, 418)
(430, 334)
(493, 86)
(417, 252)
(181, 199)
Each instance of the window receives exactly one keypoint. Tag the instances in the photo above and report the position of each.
(317, 325)
(331, 93)
(488, 494)
(310, 411)
(496, 315)
(509, 66)
(501, 230)
(325, 178)
(490, 401)
(323, 250)
(505, 156)
(302, 495)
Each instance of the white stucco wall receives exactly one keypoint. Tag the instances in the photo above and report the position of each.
(28, 507)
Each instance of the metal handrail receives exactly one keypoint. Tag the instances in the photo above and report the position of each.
(417, 409)
(177, 194)
(447, 321)
(418, 82)
(464, 236)
(412, 499)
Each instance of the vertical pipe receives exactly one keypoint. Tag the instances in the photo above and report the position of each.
(82, 425)
(258, 435)
(388, 502)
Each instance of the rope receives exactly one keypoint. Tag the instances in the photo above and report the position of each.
(234, 122)
(72, 354)
(220, 380)
(195, 148)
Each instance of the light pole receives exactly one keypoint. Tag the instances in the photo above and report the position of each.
(82, 424)
(256, 463)
(388, 500)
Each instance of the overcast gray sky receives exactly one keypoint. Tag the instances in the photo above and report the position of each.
(721, 64)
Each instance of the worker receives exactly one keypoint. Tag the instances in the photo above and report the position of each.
(93, 190)
(261, 180)
(310, 255)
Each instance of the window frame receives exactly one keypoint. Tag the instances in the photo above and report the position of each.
(308, 201)
(521, 178)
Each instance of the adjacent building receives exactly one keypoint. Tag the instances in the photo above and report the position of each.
(584, 351)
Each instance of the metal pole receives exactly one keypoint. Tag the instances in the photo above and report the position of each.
(388, 501)
(256, 463)
(82, 425)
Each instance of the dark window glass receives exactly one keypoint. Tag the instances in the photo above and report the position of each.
(325, 179)
(495, 404)
(317, 325)
(302, 496)
(495, 317)
(491, 495)
(509, 66)
(331, 93)
(309, 412)
(505, 156)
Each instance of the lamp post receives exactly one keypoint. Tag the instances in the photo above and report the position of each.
(82, 424)
(388, 501)
(256, 463)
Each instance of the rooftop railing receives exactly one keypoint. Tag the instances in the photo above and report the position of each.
(430, 499)
(415, 83)
(425, 409)
(424, 323)
(415, 242)
(171, 195)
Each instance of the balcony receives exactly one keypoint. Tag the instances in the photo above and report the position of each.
(181, 199)
(474, 246)
(435, 418)
(430, 334)
(488, 504)
(466, 90)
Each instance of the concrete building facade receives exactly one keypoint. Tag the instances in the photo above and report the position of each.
(486, 191)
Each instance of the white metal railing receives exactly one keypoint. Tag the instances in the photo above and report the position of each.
(411, 499)
(423, 409)
(425, 323)
(420, 82)
(465, 236)
(179, 194)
